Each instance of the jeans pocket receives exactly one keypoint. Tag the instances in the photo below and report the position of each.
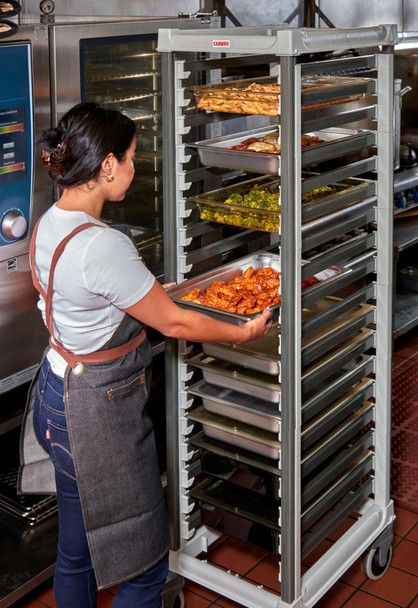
(123, 388)
(60, 449)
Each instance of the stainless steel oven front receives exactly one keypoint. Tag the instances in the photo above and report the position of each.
(25, 193)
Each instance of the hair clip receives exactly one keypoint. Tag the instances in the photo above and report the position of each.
(58, 159)
(46, 158)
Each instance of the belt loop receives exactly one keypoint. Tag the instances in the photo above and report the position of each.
(46, 369)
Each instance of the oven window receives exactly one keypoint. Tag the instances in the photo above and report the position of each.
(125, 73)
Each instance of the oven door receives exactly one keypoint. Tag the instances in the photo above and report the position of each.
(117, 64)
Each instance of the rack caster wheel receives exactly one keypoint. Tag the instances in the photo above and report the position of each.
(172, 594)
(371, 563)
(179, 601)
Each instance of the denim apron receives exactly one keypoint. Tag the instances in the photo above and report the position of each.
(113, 448)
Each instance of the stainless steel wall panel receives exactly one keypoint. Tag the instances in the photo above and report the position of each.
(410, 16)
(347, 13)
(243, 10)
(116, 8)
(265, 11)
(406, 69)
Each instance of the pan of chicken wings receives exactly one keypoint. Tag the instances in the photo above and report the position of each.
(239, 291)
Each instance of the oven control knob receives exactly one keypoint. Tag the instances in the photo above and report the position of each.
(14, 225)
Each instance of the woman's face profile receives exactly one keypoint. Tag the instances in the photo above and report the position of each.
(124, 173)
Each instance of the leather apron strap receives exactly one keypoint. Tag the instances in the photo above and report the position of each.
(69, 357)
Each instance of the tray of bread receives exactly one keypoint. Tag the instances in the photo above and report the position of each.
(262, 97)
(259, 150)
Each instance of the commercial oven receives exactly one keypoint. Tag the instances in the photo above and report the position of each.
(24, 194)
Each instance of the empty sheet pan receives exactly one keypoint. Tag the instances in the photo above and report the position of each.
(236, 453)
(262, 354)
(249, 382)
(260, 509)
(237, 433)
(238, 406)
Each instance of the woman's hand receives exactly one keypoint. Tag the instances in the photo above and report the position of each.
(259, 326)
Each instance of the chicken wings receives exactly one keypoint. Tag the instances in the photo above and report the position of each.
(250, 292)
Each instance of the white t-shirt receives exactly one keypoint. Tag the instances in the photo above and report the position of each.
(98, 274)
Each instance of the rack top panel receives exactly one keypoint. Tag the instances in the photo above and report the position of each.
(277, 39)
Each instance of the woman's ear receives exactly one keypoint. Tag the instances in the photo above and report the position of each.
(108, 166)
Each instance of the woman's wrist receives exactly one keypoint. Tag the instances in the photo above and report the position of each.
(245, 333)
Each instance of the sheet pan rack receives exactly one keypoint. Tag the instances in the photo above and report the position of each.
(322, 453)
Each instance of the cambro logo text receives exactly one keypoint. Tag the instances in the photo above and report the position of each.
(221, 43)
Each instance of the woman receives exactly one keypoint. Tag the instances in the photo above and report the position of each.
(86, 432)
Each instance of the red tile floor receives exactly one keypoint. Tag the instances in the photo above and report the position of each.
(398, 587)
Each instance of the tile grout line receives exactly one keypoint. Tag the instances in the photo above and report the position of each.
(384, 599)
(350, 596)
(389, 602)
(404, 571)
(202, 597)
(415, 598)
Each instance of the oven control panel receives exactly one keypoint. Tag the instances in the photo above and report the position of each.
(16, 135)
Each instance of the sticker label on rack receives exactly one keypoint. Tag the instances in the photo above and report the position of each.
(222, 43)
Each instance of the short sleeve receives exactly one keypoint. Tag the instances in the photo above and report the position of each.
(112, 268)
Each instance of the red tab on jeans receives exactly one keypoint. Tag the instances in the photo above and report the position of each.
(48, 435)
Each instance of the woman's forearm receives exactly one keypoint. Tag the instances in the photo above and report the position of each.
(158, 310)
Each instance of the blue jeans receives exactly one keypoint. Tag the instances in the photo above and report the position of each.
(74, 580)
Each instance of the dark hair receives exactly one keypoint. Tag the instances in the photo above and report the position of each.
(85, 135)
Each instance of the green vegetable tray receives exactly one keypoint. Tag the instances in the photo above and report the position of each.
(252, 204)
